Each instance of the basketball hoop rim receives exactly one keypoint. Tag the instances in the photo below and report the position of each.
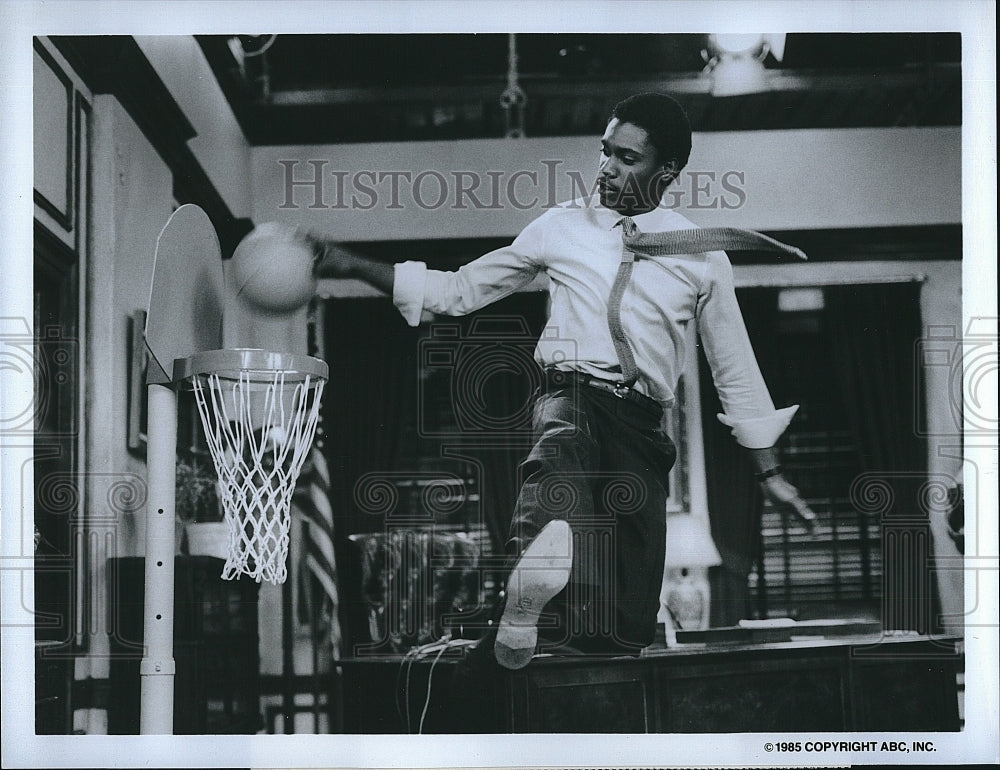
(254, 364)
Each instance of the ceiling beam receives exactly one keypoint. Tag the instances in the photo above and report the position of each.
(774, 80)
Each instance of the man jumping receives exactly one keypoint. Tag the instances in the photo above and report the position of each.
(627, 275)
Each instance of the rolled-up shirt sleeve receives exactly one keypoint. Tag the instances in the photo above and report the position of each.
(760, 432)
(408, 290)
(749, 410)
(487, 279)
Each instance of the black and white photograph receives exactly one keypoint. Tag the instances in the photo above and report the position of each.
(434, 384)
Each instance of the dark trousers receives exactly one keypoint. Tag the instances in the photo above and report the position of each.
(601, 463)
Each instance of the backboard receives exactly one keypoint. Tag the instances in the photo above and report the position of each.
(186, 295)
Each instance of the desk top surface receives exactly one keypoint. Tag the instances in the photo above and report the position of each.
(890, 642)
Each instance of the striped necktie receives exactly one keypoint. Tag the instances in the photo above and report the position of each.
(635, 244)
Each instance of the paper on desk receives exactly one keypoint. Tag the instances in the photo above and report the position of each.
(768, 623)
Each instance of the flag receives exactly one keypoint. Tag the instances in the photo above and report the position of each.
(319, 595)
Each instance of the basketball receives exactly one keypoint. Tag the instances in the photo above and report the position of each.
(272, 269)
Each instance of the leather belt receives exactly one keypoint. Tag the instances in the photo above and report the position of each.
(557, 378)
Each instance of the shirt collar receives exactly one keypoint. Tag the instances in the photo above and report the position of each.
(652, 221)
(649, 222)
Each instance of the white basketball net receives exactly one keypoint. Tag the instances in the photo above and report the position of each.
(259, 433)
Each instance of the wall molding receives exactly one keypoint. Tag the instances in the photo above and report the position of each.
(63, 218)
(115, 65)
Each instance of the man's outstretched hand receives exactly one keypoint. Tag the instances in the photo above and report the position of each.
(786, 497)
(332, 261)
(335, 261)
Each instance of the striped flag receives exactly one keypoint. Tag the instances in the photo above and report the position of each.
(319, 597)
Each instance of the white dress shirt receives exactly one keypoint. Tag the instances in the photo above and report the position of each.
(579, 247)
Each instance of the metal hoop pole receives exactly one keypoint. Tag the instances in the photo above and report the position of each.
(156, 714)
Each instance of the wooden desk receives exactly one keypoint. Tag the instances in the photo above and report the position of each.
(882, 684)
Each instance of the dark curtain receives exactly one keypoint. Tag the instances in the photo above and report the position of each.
(373, 368)
(734, 499)
(874, 331)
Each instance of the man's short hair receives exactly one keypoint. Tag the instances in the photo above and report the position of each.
(664, 120)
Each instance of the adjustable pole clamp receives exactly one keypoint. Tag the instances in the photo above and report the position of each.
(151, 667)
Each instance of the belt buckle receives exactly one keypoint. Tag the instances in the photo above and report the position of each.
(621, 389)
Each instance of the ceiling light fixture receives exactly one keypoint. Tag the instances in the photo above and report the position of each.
(735, 62)
(244, 47)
